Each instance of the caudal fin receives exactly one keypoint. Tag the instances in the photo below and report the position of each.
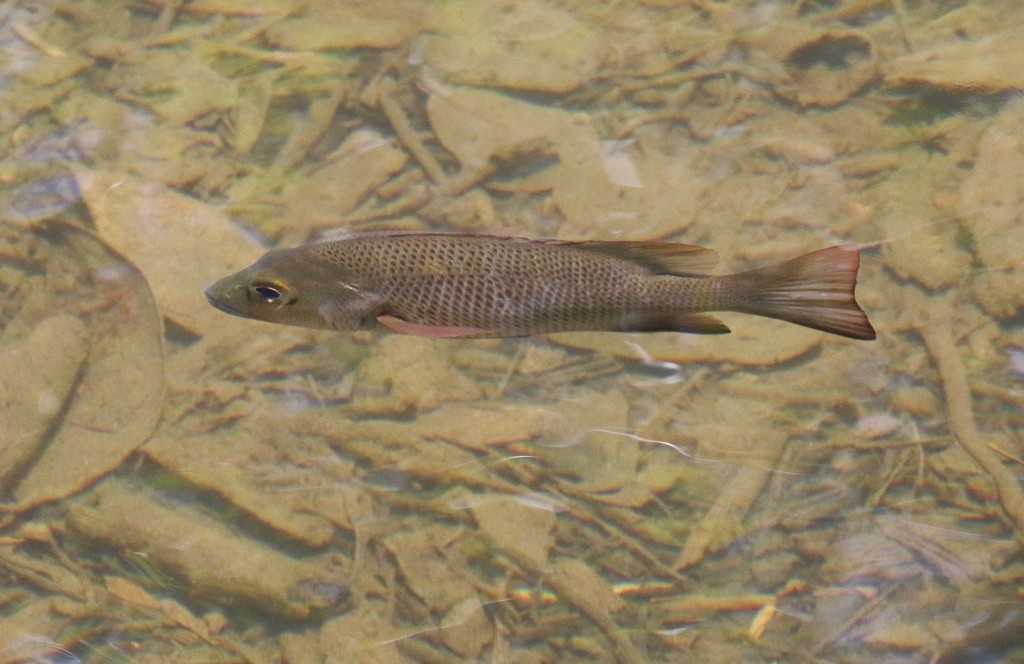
(814, 290)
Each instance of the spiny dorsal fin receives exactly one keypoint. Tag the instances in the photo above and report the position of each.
(658, 257)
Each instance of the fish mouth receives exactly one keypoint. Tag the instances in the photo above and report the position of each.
(222, 304)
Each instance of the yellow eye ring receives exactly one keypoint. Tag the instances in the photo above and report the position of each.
(271, 293)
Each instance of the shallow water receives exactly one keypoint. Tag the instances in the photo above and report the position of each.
(181, 485)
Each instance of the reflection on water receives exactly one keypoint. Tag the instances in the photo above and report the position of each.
(216, 489)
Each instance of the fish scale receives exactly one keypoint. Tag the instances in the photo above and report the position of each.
(461, 285)
(552, 287)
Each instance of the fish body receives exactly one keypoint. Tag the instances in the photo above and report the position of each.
(460, 285)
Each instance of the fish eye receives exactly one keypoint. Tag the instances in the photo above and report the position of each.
(270, 293)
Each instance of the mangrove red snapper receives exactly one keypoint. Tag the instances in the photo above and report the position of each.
(455, 285)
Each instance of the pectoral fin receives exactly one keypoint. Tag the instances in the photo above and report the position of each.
(396, 324)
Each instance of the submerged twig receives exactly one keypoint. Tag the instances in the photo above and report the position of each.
(405, 132)
(419, 195)
(942, 346)
(720, 524)
(873, 604)
(168, 13)
(899, 10)
(319, 117)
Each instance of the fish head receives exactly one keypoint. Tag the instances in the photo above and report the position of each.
(289, 287)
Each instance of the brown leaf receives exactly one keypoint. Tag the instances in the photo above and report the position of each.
(40, 371)
(522, 533)
(119, 395)
(180, 244)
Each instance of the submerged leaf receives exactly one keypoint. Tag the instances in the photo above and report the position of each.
(119, 389)
(40, 370)
(180, 244)
(209, 558)
(524, 534)
(525, 45)
(989, 65)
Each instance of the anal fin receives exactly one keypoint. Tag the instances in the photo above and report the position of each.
(690, 323)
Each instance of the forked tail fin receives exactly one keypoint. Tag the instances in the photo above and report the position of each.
(814, 290)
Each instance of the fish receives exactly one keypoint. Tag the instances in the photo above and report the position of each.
(456, 285)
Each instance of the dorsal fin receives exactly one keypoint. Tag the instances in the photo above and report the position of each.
(658, 257)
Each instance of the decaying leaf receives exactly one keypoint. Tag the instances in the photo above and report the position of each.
(361, 24)
(53, 69)
(992, 64)
(126, 138)
(180, 244)
(429, 559)
(234, 7)
(990, 205)
(29, 634)
(120, 333)
(601, 188)
(180, 86)
(580, 585)
(261, 472)
(479, 125)
(475, 428)
(586, 443)
(254, 97)
(524, 45)
(363, 636)
(723, 521)
(363, 162)
(126, 591)
(466, 628)
(523, 533)
(812, 66)
(213, 561)
(411, 372)
(39, 372)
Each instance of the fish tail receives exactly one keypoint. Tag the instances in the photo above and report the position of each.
(815, 290)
